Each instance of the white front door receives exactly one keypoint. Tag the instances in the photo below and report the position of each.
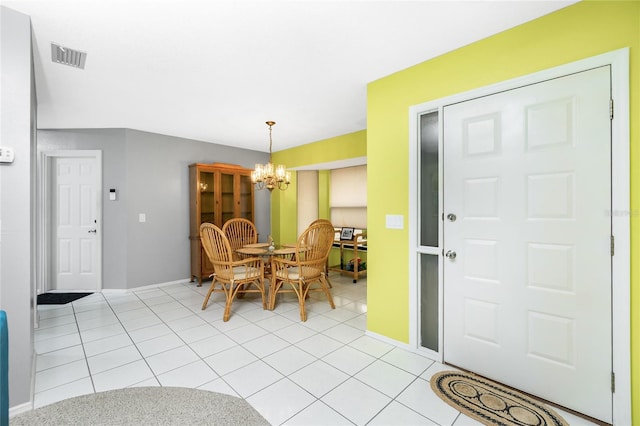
(75, 259)
(527, 298)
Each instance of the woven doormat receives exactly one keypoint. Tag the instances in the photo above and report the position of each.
(491, 403)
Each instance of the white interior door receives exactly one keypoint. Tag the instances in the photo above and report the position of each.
(527, 298)
(75, 212)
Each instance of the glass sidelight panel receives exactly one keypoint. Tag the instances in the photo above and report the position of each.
(429, 301)
(429, 225)
(429, 221)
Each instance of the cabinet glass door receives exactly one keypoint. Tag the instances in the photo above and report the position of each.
(226, 196)
(246, 205)
(207, 197)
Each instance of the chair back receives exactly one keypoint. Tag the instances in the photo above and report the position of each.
(315, 222)
(240, 232)
(315, 243)
(218, 250)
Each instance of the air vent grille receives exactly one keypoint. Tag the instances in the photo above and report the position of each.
(64, 55)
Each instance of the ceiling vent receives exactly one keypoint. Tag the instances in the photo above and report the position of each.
(64, 55)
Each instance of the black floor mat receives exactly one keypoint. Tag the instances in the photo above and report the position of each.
(59, 298)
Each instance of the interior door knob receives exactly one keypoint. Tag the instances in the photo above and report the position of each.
(450, 254)
(451, 217)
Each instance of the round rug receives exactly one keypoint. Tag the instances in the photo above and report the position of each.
(145, 406)
(491, 403)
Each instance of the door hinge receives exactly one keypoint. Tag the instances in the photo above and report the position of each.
(613, 245)
(611, 109)
(613, 382)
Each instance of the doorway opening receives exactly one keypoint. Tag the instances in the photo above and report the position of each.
(70, 220)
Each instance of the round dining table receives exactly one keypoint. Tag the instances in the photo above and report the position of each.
(264, 250)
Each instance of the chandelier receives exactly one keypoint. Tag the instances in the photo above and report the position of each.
(268, 176)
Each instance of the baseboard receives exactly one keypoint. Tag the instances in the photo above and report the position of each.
(429, 355)
(19, 409)
(390, 341)
(144, 287)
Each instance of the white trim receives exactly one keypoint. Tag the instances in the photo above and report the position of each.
(621, 228)
(144, 287)
(621, 261)
(43, 219)
(396, 343)
(19, 409)
(337, 164)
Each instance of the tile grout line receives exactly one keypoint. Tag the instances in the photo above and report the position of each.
(86, 358)
(314, 332)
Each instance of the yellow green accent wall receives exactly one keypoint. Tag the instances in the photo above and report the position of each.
(324, 194)
(284, 205)
(284, 218)
(351, 145)
(576, 32)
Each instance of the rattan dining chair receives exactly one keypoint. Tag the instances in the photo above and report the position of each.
(233, 277)
(240, 232)
(326, 264)
(306, 272)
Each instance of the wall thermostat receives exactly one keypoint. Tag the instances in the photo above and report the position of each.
(6, 155)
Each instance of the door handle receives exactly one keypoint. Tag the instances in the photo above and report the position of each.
(93, 231)
(450, 254)
(452, 217)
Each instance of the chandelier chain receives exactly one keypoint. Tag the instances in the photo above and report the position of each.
(270, 123)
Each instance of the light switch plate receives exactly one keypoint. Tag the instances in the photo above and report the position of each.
(6, 155)
(395, 221)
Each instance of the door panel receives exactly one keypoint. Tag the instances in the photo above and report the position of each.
(76, 241)
(527, 299)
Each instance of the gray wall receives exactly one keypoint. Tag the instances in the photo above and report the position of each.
(151, 174)
(16, 199)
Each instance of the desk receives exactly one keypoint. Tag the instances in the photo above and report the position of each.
(355, 245)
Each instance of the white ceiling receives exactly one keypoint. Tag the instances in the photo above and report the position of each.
(216, 70)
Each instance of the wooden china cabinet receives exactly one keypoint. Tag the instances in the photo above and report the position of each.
(217, 192)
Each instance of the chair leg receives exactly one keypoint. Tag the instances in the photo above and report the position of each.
(271, 294)
(302, 295)
(326, 272)
(206, 299)
(325, 288)
(231, 294)
(274, 286)
(260, 285)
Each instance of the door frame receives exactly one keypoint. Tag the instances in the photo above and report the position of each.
(618, 60)
(44, 258)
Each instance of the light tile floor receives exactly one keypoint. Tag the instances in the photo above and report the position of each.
(324, 371)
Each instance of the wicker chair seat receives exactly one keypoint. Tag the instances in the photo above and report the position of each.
(239, 273)
(293, 273)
